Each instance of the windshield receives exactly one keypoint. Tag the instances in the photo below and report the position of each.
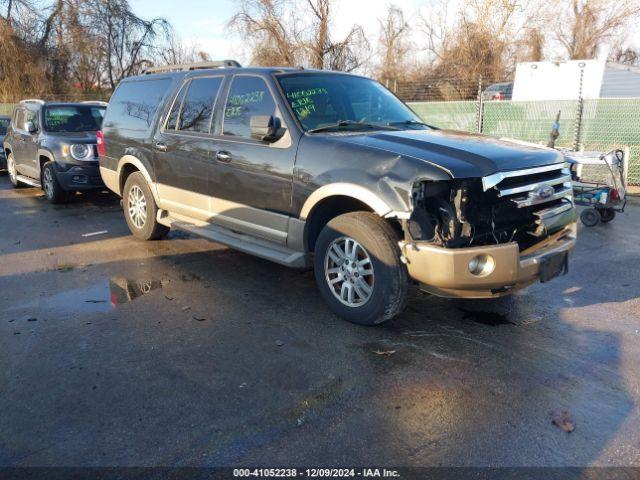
(321, 100)
(73, 118)
(4, 124)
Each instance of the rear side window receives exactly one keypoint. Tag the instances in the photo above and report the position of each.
(197, 107)
(248, 96)
(172, 119)
(134, 104)
(18, 118)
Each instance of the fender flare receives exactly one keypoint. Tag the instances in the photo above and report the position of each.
(131, 160)
(45, 153)
(362, 194)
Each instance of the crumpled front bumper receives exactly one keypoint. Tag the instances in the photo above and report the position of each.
(445, 271)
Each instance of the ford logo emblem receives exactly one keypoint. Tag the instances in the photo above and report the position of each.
(543, 192)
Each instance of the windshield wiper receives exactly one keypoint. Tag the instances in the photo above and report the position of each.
(411, 122)
(350, 123)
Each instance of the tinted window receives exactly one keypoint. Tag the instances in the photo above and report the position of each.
(172, 120)
(4, 124)
(134, 104)
(80, 118)
(198, 104)
(249, 96)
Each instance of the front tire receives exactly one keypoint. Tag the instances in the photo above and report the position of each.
(13, 173)
(51, 186)
(358, 268)
(140, 209)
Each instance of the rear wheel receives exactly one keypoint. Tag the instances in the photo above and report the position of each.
(140, 209)
(607, 214)
(13, 173)
(358, 268)
(51, 186)
(590, 217)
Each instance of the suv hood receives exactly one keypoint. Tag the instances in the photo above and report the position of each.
(79, 137)
(462, 155)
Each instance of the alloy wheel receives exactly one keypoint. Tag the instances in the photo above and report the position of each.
(137, 206)
(349, 272)
(47, 183)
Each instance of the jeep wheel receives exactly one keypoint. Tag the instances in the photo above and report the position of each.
(358, 268)
(140, 209)
(51, 186)
(13, 174)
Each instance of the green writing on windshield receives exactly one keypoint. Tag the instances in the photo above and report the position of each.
(302, 100)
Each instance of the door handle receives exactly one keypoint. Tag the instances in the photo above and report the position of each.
(223, 156)
(161, 147)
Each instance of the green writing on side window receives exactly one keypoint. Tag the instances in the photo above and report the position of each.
(236, 103)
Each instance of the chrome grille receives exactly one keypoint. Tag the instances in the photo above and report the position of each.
(532, 186)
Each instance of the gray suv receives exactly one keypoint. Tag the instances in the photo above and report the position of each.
(329, 169)
(53, 146)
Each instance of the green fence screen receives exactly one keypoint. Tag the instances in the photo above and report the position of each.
(606, 123)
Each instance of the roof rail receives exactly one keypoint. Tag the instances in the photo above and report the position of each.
(96, 102)
(32, 100)
(192, 66)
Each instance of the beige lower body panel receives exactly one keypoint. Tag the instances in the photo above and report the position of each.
(110, 179)
(445, 271)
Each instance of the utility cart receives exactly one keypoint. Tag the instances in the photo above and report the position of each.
(599, 183)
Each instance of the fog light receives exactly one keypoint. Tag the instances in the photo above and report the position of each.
(482, 265)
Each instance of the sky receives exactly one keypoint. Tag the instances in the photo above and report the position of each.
(203, 22)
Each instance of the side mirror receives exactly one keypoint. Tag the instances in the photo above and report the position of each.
(265, 128)
(30, 127)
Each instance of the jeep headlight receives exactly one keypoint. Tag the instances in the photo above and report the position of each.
(81, 151)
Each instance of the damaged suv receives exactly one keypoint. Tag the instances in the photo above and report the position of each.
(328, 169)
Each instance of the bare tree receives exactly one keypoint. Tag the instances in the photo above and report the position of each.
(626, 55)
(583, 26)
(175, 51)
(478, 44)
(347, 54)
(394, 44)
(271, 27)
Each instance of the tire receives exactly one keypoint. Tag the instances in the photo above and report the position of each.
(607, 214)
(51, 186)
(373, 244)
(590, 217)
(12, 172)
(140, 209)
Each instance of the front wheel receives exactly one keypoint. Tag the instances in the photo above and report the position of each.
(140, 209)
(51, 186)
(358, 268)
(13, 173)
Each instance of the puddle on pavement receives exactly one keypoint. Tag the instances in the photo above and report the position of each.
(99, 297)
(492, 319)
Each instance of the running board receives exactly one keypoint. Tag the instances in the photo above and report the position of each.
(28, 181)
(245, 243)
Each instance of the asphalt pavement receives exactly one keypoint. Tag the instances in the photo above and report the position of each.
(182, 352)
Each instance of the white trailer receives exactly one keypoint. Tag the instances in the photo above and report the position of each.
(561, 80)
